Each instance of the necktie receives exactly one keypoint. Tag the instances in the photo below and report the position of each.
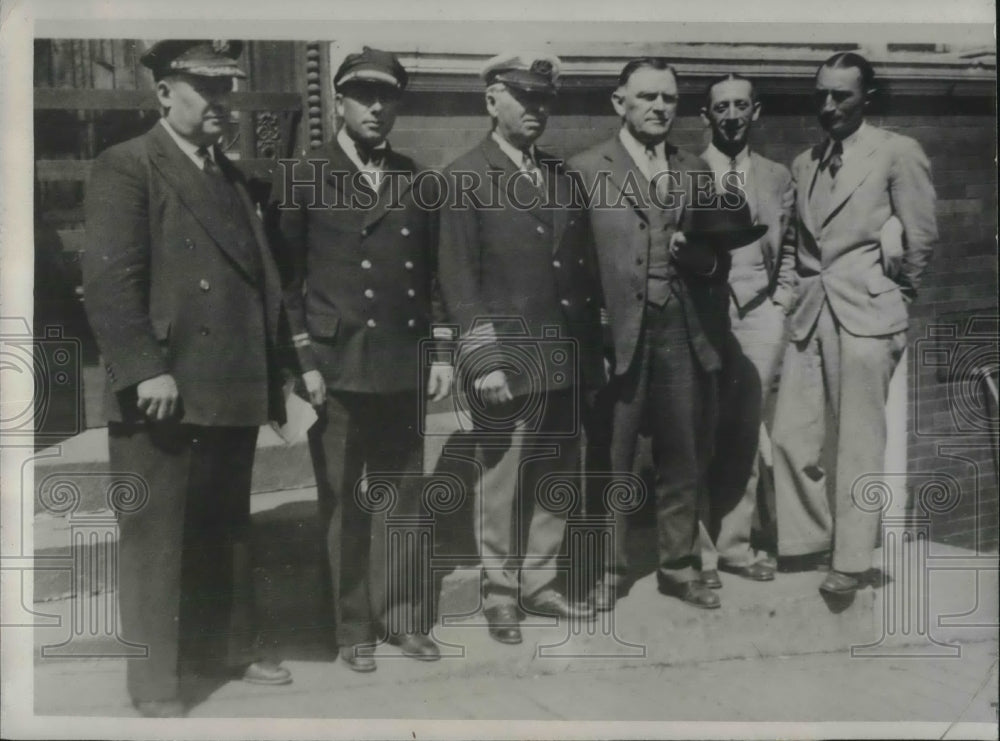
(836, 158)
(207, 163)
(529, 166)
(369, 156)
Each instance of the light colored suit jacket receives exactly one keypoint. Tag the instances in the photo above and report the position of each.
(839, 253)
(771, 184)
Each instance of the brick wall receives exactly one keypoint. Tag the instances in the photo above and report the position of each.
(952, 476)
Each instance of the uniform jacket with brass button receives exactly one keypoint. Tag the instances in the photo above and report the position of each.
(535, 266)
(179, 279)
(358, 270)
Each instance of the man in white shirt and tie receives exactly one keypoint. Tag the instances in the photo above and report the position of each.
(761, 284)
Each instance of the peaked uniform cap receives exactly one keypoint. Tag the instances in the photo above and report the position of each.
(371, 65)
(195, 57)
(531, 71)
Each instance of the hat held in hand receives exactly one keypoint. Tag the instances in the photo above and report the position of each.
(725, 225)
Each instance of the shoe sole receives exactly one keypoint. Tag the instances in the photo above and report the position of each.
(269, 682)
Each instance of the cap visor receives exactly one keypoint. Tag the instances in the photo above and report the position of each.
(202, 70)
(730, 239)
(370, 75)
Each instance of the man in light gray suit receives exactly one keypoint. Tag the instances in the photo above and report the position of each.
(848, 324)
(761, 285)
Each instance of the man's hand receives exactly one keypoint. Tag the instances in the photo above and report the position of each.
(439, 381)
(493, 387)
(158, 397)
(696, 258)
(315, 387)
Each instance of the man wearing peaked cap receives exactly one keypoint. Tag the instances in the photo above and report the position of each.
(185, 303)
(525, 265)
(359, 292)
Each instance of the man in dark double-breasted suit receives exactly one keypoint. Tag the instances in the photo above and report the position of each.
(667, 305)
(518, 276)
(359, 245)
(185, 302)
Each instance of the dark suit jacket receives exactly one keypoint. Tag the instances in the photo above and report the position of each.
(175, 282)
(358, 280)
(840, 255)
(534, 265)
(623, 226)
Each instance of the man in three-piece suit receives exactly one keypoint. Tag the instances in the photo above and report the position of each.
(518, 275)
(185, 302)
(667, 304)
(361, 264)
(761, 285)
(849, 321)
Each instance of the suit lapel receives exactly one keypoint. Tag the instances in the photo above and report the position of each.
(393, 164)
(625, 174)
(192, 188)
(497, 160)
(557, 185)
(762, 181)
(804, 186)
(853, 172)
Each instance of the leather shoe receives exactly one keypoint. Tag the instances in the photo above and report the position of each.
(503, 620)
(754, 572)
(552, 604)
(710, 578)
(693, 592)
(839, 582)
(160, 708)
(359, 657)
(604, 595)
(266, 672)
(417, 646)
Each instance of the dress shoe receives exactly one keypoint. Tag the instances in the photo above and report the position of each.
(552, 604)
(503, 620)
(266, 672)
(417, 646)
(754, 572)
(359, 657)
(710, 578)
(160, 708)
(604, 594)
(692, 592)
(839, 582)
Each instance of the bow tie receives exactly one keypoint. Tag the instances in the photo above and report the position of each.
(370, 155)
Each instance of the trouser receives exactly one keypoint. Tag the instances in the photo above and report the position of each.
(852, 374)
(666, 391)
(368, 458)
(520, 513)
(185, 559)
(748, 372)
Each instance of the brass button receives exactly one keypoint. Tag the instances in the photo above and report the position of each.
(408, 265)
(189, 243)
(540, 229)
(369, 293)
(364, 232)
(370, 322)
(410, 292)
(204, 285)
(405, 231)
(411, 322)
(366, 264)
(556, 264)
(565, 302)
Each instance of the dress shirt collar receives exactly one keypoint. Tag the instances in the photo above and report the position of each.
(719, 161)
(848, 143)
(350, 148)
(516, 155)
(637, 150)
(191, 150)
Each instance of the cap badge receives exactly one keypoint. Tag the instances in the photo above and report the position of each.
(541, 67)
(220, 46)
